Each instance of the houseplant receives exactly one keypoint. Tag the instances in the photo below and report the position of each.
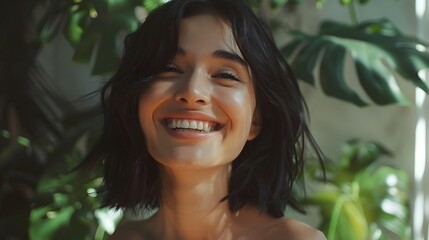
(362, 198)
(55, 139)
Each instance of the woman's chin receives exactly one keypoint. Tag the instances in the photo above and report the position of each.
(191, 159)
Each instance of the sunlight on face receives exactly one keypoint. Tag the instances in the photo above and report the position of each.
(200, 111)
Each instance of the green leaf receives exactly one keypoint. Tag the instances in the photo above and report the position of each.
(365, 200)
(351, 223)
(346, 2)
(97, 25)
(395, 225)
(288, 50)
(373, 71)
(399, 51)
(150, 5)
(382, 89)
(45, 222)
(379, 51)
(384, 192)
(358, 155)
(346, 220)
(72, 30)
(327, 197)
(332, 75)
(307, 58)
(23, 141)
(5, 133)
(87, 42)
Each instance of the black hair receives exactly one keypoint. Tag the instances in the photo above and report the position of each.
(265, 171)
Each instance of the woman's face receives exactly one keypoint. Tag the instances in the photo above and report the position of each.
(200, 111)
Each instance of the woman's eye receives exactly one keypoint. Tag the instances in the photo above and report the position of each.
(172, 68)
(227, 75)
(168, 72)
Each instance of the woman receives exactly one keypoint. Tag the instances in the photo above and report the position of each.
(204, 121)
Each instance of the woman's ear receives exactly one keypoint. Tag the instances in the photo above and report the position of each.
(255, 128)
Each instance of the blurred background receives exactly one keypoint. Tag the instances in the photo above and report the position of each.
(361, 66)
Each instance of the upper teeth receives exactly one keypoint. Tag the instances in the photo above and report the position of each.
(190, 124)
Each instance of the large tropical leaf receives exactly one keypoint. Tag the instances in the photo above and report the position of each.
(380, 52)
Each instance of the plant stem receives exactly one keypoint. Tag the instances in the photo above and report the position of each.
(352, 12)
(99, 233)
(335, 217)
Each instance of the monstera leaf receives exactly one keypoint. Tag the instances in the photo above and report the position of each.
(363, 200)
(380, 52)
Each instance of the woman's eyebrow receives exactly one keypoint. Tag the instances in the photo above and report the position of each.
(220, 54)
(229, 56)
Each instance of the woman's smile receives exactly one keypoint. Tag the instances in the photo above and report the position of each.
(192, 125)
(189, 125)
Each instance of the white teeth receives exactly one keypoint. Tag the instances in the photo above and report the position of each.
(193, 124)
(200, 126)
(206, 127)
(183, 124)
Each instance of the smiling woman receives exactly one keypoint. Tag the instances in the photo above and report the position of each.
(204, 122)
(207, 84)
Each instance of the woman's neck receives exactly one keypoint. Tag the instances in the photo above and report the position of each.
(191, 207)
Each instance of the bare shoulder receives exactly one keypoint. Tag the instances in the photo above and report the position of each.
(289, 229)
(131, 230)
(258, 225)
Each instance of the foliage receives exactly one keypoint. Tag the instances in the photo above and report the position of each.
(363, 199)
(39, 128)
(93, 28)
(43, 136)
(66, 205)
(378, 50)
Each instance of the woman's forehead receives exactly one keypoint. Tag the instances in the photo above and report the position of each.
(206, 32)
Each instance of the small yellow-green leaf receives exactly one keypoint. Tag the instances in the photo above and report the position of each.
(23, 141)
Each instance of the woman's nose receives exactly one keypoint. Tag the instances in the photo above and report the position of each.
(194, 90)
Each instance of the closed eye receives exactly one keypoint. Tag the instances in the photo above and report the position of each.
(169, 72)
(227, 75)
(172, 68)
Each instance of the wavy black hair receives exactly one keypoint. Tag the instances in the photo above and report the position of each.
(265, 171)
